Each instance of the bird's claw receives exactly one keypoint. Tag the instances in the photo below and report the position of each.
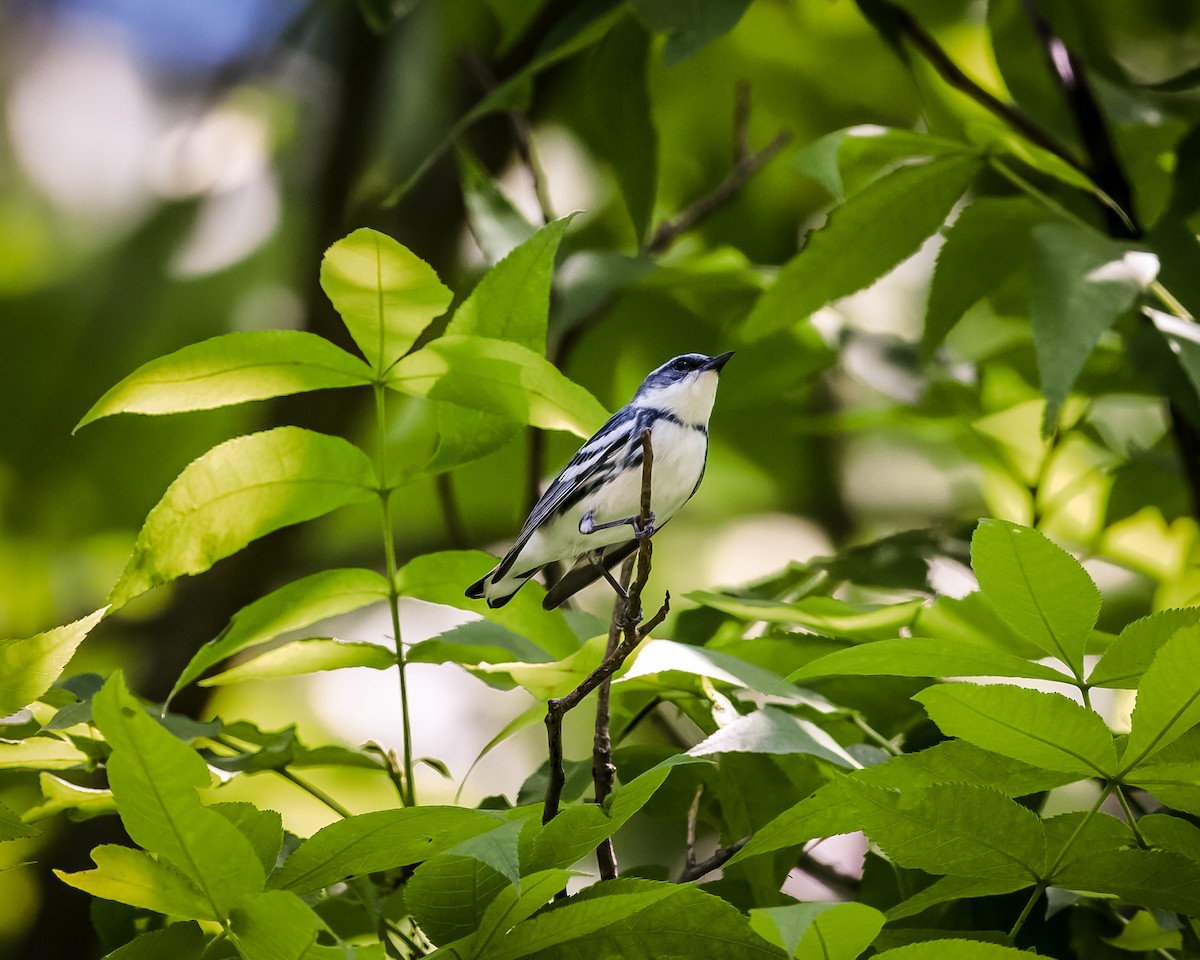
(643, 532)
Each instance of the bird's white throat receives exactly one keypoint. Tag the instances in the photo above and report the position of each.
(691, 400)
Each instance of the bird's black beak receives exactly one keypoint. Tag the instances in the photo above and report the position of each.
(716, 363)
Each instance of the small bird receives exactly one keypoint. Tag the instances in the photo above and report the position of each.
(588, 515)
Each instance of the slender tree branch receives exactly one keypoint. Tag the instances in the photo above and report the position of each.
(695, 871)
(635, 631)
(745, 164)
(604, 772)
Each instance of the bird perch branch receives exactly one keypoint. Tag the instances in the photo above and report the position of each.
(627, 623)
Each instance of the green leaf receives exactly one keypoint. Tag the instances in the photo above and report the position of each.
(291, 607)
(28, 667)
(478, 641)
(956, 949)
(1142, 933)
(512, 301)
(263, 828)
(154, 778)
(237, 492)
(947, 889)
(276, 925)
(771, 730)
(952, 828)
(497, 226)
(386, 294)
(1171, 833)
(229, 369)
(448, 895)
(499, 377)
(846, 160)
(898, 212)
(60, 796)
(825, 615)
(179, 941)
(984, 246)
(1168, 701)
(819, 931)
(40, 753)
(1043, 729)
(1080, 282)
(12, 827)
(134, 877)
(619, 102)
(919, 657)
(511, 906)
(377, 841)
(497, 848)
(1037, 588)
(663, 656)
(690, 25)
(306, 656)
(1133, 651)
(442, 577)
(1150, 878)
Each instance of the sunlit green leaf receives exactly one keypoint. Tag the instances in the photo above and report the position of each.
(1168, 702)
(1043, 729)
(136, 878)
(1143, 933)
(377, 841)
(1133, 651)
(1036, 587)
(237, 492)
(898, 212)
(1080, 282)
(305, 656)
(499, 377)
(774, 731)
(386, 295)
(661, 656)
(826, 615)
(819, 931)
(154, 778)
(920, 657)
(232, 368)
(29, 666)
(690, 26)
(276, 925)
(61, 796)
(292, 607)
(40, 753)
(497, 848)
(263, 828)
(479, 641)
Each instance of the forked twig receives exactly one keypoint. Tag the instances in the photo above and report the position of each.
(632, 628)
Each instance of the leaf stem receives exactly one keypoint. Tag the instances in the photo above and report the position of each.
(1129, 817)
(409, 795)
(314, 791)
(1033, 898)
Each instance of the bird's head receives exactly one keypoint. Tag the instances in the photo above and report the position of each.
(685, 386)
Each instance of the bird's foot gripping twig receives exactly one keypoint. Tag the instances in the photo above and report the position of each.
(643, 527)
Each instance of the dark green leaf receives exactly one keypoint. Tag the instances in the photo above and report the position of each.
(1150, 878)
(292, 607)
(946, 889)
(898, 213)
(179, 941)
(958, 949)
(134, 877)
(276, 925)
(619, 101)
(497, 848)
(385, 294)
(233, 368)
(305, 656)
(29, 666)
(1080, 282)
(1168, 702)
(511, 906)
(1133, 651)
(1171, 833)
(449, 895)
(497, 376)
(479, 641)
(237, 492)
(12, 827)
(1043, 729)
(819, 931)
(690, 25)
(987, 243)
(154, 778)
(377, 841)
(1037, 588)
(918, 657)
(495, 223)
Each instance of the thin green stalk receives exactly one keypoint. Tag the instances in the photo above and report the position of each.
(1033, 898)
(409, 796)
(314, 791)
(1130, 818)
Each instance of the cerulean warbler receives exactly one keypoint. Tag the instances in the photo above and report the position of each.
(588, 516)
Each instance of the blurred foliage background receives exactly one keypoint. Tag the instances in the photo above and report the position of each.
(172, 171)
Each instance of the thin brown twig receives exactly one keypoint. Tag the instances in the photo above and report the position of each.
(694, 871)
(692, 817)
(745, 164)
(635, 630)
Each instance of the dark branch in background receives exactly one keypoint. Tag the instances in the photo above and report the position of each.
(604, 772)
(452, 516)
(745, 164)
(634, 630)
(694, 871)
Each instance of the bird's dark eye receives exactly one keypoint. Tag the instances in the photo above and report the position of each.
(679, 364)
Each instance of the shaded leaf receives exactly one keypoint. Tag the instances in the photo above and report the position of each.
(449, 895)
(1151, 878)
(1133, 651)
(276, 925)
(958, 949)
(237, 492)
(690, 25)
(947, 889)
(154, 778)
(1036, 587)
(898, 212)
(12, 827)
(661, 656)
(179, 941)
(1143, 933)
(1080, 282)
(495, 223)
(826, 615)
(497, 848)
(385, 294)
(497, 376)
(263, 828)
(29, 666)
(819, 931)
(134, 877)
(306, 656)
(1168, 702)
(1043, 729)
(920, 657)
(478, 641)
(511, 906)
(232, 368)
(1171, 833)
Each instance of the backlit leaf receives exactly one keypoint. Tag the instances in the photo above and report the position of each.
(771, 730)
(1168, 701)
(921, 657)
(305, 656)
(29, 666)
(61, 796)
(819, 931)
(132, 876)
(1133, 651)
(690, 25)
(276, 925)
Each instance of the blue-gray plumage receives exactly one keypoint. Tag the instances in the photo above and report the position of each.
(587, 515)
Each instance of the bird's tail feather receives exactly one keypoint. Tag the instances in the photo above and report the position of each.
(584, 573)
